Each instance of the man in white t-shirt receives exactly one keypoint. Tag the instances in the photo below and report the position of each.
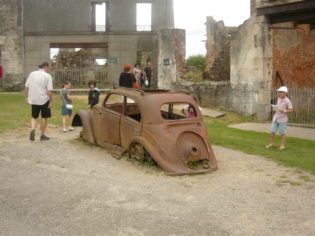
(38, 90)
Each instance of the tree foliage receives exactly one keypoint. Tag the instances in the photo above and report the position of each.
(197, 61)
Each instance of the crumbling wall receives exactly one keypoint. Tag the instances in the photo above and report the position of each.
(251, 68)
(294, 55)
(218, 50)
(11, 43)
(248, 89)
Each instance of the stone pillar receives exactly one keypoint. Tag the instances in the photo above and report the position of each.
(253, 7)
(12, 43)
(171, 57)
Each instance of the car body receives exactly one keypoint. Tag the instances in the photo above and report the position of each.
(151, 123)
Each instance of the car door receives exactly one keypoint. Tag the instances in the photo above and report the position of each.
(131, 122)
(106, 120)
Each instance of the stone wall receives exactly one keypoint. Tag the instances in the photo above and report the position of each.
(294, 55)
(251, 68)
(50, 16)
(11, 43)
(165, 47)
(209, 93)
(218, 50)
(122, 49)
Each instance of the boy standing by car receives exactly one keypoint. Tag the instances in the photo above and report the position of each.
(280, 118)
(94, 94)
(66, 107)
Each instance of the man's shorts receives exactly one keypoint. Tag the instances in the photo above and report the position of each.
(281, 127)
(44, 110)
(65, 111)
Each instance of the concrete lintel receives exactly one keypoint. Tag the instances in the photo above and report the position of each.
(90, 33)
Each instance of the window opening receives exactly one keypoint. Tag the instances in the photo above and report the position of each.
(177, 111)
(53, 53)
(144, 16)
(99, 12)
(115, 102)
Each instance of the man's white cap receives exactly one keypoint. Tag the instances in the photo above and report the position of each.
(283, 89)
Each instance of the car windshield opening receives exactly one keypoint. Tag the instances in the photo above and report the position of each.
(115, 102)
(177, 111)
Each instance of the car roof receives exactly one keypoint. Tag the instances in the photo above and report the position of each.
(146, 92)
(150, 101)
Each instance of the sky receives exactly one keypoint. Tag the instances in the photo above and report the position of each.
(191, 15)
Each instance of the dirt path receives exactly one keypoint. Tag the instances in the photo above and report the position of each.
(67, 187)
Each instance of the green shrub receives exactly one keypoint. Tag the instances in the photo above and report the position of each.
(194, 76)
(197, 61)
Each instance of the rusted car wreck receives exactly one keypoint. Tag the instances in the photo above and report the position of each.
(163, 125)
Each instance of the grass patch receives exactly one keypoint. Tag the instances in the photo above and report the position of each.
(300, 153)
(15, 112)
(194, 76)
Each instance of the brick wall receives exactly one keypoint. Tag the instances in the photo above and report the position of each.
(294, 55)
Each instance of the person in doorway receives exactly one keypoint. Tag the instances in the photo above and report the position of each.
(66, 107)
(137, 73)
(280, 118)
(148, 74)
(38, 91)
(94, 94)
(126, 78)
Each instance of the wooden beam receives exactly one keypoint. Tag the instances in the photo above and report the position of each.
(308, 5)
(305, 17)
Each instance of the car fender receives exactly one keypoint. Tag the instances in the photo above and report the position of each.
(84, 119)
(173, 166)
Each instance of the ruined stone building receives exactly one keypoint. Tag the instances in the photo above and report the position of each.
(30, 28)
(276, 45)
(218, 50)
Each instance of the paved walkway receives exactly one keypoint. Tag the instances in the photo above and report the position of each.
(297, 132)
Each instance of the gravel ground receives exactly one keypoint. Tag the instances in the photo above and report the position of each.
(67, 187)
